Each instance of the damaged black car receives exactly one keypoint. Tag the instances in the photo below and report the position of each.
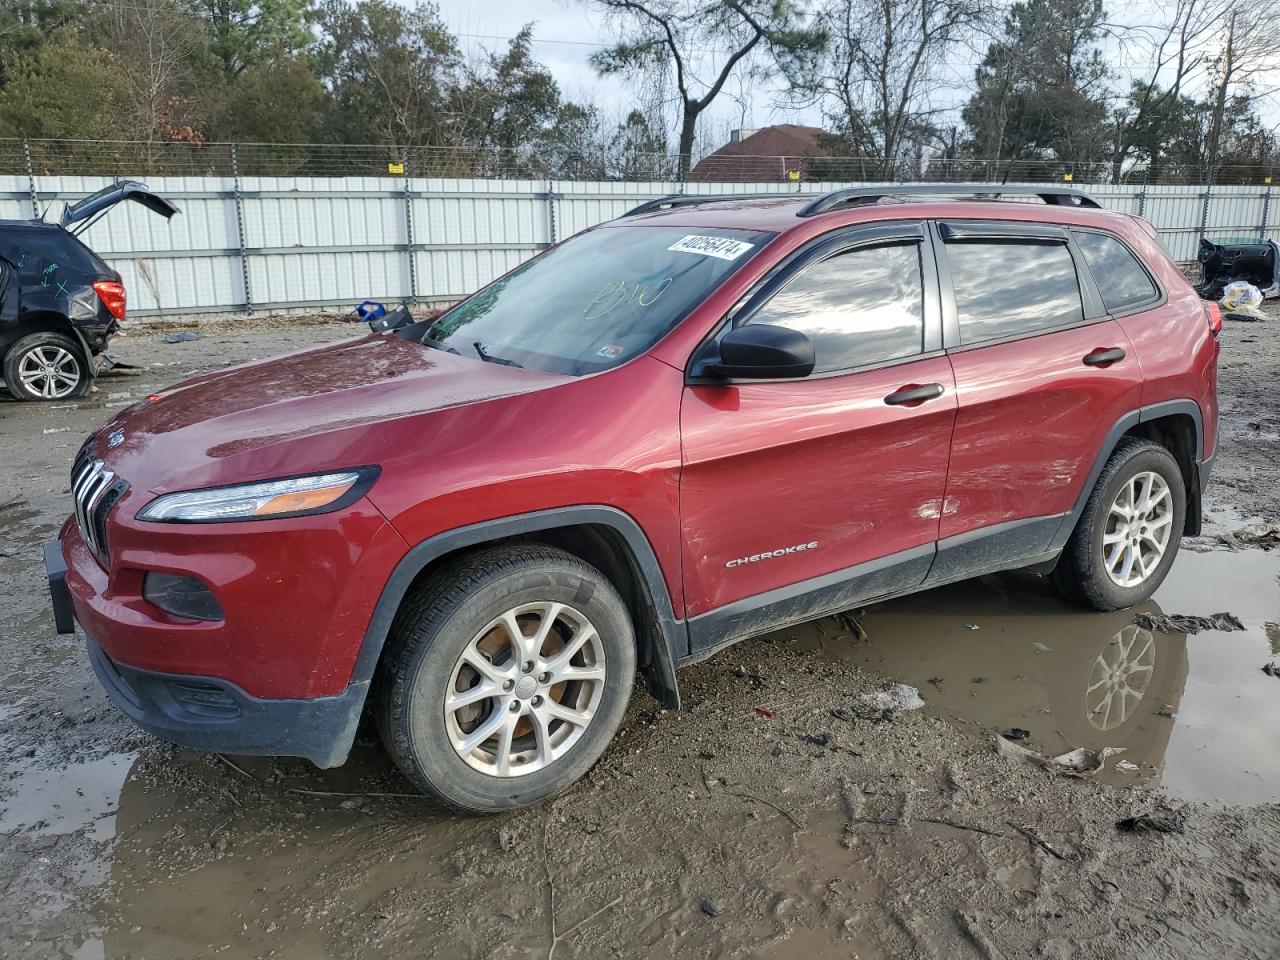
(60, 302)
(1224, 263)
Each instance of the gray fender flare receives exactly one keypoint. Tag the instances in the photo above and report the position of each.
(1122, 426)
(672, 643)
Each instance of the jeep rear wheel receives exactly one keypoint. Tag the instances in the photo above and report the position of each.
(505, 677)
(1128, 535)
(46, 366)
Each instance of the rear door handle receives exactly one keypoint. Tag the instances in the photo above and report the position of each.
(913, 394)
(1103, 357)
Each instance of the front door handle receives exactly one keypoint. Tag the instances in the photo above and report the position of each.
(913, 394)
(1103, 357)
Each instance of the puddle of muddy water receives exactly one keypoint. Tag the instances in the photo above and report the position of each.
(64, 799)
(1195, 715)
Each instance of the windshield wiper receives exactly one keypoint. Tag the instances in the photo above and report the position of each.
(488, 357)
(434, 344)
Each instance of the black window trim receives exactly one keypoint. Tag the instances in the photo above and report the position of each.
(817, 250)
(1161, 296)
(961, 231)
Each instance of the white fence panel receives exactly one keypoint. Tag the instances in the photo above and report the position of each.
(283, 242)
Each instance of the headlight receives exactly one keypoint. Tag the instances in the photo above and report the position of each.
(296, 496)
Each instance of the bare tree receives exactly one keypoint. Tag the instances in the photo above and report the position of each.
(1175, 54)
(885, 61)
(1250, 33)
(156, 43)
(697, 45)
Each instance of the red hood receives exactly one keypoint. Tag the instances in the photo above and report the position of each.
(317, 408)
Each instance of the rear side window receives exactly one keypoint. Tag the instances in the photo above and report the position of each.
(861, 307)
(1012, 288)
(1120, 278)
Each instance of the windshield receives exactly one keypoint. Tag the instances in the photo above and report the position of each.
(597, 300)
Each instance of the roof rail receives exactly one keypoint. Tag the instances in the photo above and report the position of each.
(855, 196)
(689, 199)
(1059, 196)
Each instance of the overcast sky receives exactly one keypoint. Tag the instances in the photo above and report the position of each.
(567, 32)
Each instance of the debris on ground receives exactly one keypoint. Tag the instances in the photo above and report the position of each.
(711, 907)
(1264, 535)
(972, 626)
(1015, 733)
(898, 697)
(764, 712)
(182, 336)
(1167, 822)
(1080, 762)
(849, 620)
(1180, 623)
(1271, 670)
(1242, 299)
(1037, 841)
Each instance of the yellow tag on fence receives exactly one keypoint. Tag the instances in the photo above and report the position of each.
(793, 175)
(395, 168)
(1066, 178)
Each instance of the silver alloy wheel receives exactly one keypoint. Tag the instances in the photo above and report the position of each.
(49, 371)
(1120, 677)
(1139, 527)
(525, 689)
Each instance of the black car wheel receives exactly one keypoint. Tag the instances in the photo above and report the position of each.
(1128, 535)
(46, 366)
(505, 677)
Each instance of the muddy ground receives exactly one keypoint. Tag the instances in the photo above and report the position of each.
(778, 815)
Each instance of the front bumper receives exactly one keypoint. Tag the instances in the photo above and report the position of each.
(206, 713)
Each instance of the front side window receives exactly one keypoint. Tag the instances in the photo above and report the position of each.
(1013, 288)
(1120, 278)
(598, 299)
(861, 307)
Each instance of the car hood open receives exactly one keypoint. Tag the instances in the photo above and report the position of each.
(320, 407)
(109, 196)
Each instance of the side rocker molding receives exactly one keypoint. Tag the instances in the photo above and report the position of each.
(1122, 426)
(674, 641)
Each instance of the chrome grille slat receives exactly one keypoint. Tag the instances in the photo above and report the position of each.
(89, 485)
(94, 497)
(77, 488)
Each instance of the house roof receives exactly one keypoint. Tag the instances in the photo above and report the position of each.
(765, 155)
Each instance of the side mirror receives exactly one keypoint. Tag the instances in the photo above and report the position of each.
(759, 351)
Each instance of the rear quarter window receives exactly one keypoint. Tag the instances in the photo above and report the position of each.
(1121, 280)
(1013, 288)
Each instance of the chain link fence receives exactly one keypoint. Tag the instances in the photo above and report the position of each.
(123, 158)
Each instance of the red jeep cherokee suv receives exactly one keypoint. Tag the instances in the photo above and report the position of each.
(709, 418)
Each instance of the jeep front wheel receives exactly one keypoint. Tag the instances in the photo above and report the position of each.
(505, 677)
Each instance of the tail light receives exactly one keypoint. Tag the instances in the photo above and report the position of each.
(1213, 313)
(111, 293)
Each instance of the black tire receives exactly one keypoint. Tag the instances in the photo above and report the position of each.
(439, 621)
(1081, 573)
(51, 343)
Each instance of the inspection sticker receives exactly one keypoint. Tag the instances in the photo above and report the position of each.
(721, 247)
